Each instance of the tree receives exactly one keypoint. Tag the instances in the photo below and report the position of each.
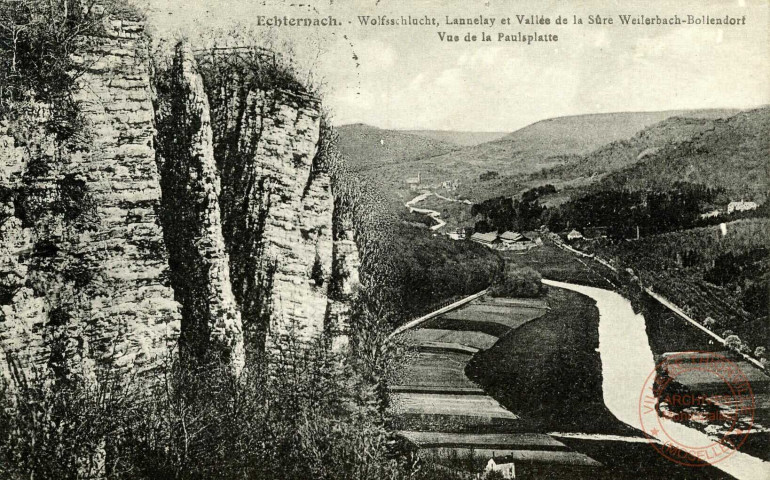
(517, 281)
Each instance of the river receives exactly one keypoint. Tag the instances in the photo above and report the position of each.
(627, 361)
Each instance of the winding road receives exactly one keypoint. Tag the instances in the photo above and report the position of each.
(627, 361)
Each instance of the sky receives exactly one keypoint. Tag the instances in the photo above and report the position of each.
(407, 78)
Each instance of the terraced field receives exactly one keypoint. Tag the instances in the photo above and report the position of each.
(452, 421)
(540, 359)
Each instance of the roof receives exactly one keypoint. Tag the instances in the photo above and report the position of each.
(512, 236)
(574, 233)
(484, 237)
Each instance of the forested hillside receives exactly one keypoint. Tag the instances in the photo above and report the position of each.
(731, 154)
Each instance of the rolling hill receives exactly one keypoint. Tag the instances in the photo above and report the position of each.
(366, 147)
(570, 149)
(463, 139)
(732, 153)
(581, 134)
(623, 153)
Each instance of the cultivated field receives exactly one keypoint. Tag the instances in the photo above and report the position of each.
(475, 339)
(511, 317)
(436, 369)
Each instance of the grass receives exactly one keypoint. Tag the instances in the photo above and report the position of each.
(510, 316)
(474, 339)
(556, 264)
(548, 370)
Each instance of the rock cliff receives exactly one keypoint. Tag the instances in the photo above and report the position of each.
(192, 207)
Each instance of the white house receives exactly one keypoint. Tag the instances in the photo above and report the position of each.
(574, 235)
(741, 206)
(503, 465)
(711, 214)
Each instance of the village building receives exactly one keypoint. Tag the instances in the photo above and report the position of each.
(741, 206)
(509, 238)
(488, 239)
(712, 214)
(574, 235)
(450, 185)
(414, 182)
(502, 465)
(458, 234)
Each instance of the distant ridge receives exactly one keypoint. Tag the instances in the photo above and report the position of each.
(581, 134)
(729, 153)
(390, 156)
(463, 139)
(366, 147)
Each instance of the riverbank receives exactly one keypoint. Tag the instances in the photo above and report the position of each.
(549, 370)
(626, 363)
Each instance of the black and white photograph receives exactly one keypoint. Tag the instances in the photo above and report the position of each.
(384, 239)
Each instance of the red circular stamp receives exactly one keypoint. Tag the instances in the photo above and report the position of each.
(697, 408)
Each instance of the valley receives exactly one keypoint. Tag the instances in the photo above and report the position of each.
(541, 383)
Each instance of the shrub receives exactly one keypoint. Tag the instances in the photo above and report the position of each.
(311, 417)
(518, 281)
(733, 342)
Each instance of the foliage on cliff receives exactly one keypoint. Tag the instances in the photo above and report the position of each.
(40, 41)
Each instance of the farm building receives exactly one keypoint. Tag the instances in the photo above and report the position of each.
(574, 235)
(513, 237)
(741, 206)
(490, 238)
(543, 464)
(414, 182)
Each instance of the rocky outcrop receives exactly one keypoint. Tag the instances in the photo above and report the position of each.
(85, 268)
(200, 267)
(344, 280)
(276, 203)
(190, 205)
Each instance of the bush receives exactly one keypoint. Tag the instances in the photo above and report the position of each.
(733, 342)
(518, 281)
(310, 417)
(38, 39)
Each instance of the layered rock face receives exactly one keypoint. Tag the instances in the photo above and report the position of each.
(191, 208)
(277, 203)
(200, 266)
(84, 264)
